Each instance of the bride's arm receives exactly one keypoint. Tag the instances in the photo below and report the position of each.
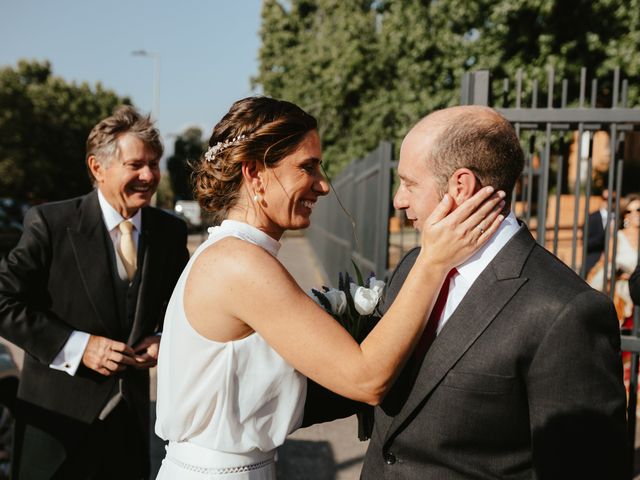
(255, 288)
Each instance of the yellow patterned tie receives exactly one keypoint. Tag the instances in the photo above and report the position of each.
(127, 249)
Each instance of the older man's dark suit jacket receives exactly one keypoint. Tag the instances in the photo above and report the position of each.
(524, 381)
(59, 278)
(595, 240)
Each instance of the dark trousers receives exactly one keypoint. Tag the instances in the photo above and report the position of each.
(51, 446)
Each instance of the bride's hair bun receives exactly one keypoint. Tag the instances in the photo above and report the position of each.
(258, 129)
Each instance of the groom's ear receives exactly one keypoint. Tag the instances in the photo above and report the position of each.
(462, 185)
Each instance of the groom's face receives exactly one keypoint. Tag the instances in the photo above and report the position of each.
(417, 194)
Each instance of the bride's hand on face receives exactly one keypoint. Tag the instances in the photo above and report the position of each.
(448, 239)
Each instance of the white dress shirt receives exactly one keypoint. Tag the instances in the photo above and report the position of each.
(604, 214)
(69, 358)
(470, 270)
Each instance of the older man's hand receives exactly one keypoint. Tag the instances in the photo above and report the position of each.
(146, 352)
(107, 356)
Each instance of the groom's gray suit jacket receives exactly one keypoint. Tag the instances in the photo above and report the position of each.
(524, 381)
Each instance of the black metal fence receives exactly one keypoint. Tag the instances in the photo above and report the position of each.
(361, 192)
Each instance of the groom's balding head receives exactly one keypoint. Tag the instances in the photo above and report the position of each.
(456, 151)
(474, 137)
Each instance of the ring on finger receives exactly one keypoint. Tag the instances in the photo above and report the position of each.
(479, 227)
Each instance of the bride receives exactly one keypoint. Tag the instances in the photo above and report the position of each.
(240, 337)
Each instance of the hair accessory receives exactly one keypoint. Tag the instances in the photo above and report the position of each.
(210, 154)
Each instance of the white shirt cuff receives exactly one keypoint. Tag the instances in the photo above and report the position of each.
(69, 358)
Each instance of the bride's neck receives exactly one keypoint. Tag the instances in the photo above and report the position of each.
(256, 219)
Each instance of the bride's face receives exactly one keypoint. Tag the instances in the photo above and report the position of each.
(290, 189)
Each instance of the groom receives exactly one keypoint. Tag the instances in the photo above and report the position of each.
(523, 379)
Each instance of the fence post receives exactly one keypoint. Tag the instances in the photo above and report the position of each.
(476, 88)
(384, 189)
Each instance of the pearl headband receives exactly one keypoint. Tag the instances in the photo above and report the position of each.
(210, 154)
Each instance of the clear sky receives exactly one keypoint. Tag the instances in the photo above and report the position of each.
(207, 49)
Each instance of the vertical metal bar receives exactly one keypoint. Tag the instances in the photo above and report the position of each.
(550, 82)
(534, 94)
(532, 149)
(505, 93)
(382, 256)
(613, 132)
(481, 88)
(583, 83)
(559, 177)
(633, 393)
(625, 92)
(464, 89)
(587, 198)
(616, 87)
(543, 188)
(615, 214)
(577, 193)
(594, 92)
(523, 176)
(519, 88)
(565, 89)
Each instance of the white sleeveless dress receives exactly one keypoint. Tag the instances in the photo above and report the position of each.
(223, 407)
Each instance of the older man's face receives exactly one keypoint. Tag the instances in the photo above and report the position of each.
(418, 193)
(131, 178)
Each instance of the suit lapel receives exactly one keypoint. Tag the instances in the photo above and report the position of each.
(492, 290)
(151, 258)
(89, 245)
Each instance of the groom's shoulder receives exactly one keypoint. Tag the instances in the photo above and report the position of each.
(401, 270)
(406, 262)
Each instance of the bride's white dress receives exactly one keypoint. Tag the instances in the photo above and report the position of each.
(223, 407)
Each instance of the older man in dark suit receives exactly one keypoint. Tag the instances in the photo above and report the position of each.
(83, 293)
(518, 375)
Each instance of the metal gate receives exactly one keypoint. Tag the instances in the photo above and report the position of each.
(544, 126)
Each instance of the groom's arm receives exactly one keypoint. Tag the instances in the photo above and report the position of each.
(323, 405)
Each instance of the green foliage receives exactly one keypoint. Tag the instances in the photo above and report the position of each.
(164, 195)
(369, 69)
(188, 147)
(44, 124)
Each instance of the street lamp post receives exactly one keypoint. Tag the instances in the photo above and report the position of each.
(155, 113)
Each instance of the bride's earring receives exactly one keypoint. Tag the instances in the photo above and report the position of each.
(257, 198)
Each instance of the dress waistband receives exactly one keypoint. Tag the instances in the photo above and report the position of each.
(194, 455)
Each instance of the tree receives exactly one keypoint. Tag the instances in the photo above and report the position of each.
(317, 54)
(369, 69)
(188, 147)
(44, 124)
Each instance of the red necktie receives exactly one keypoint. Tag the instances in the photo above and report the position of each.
(430, 331)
